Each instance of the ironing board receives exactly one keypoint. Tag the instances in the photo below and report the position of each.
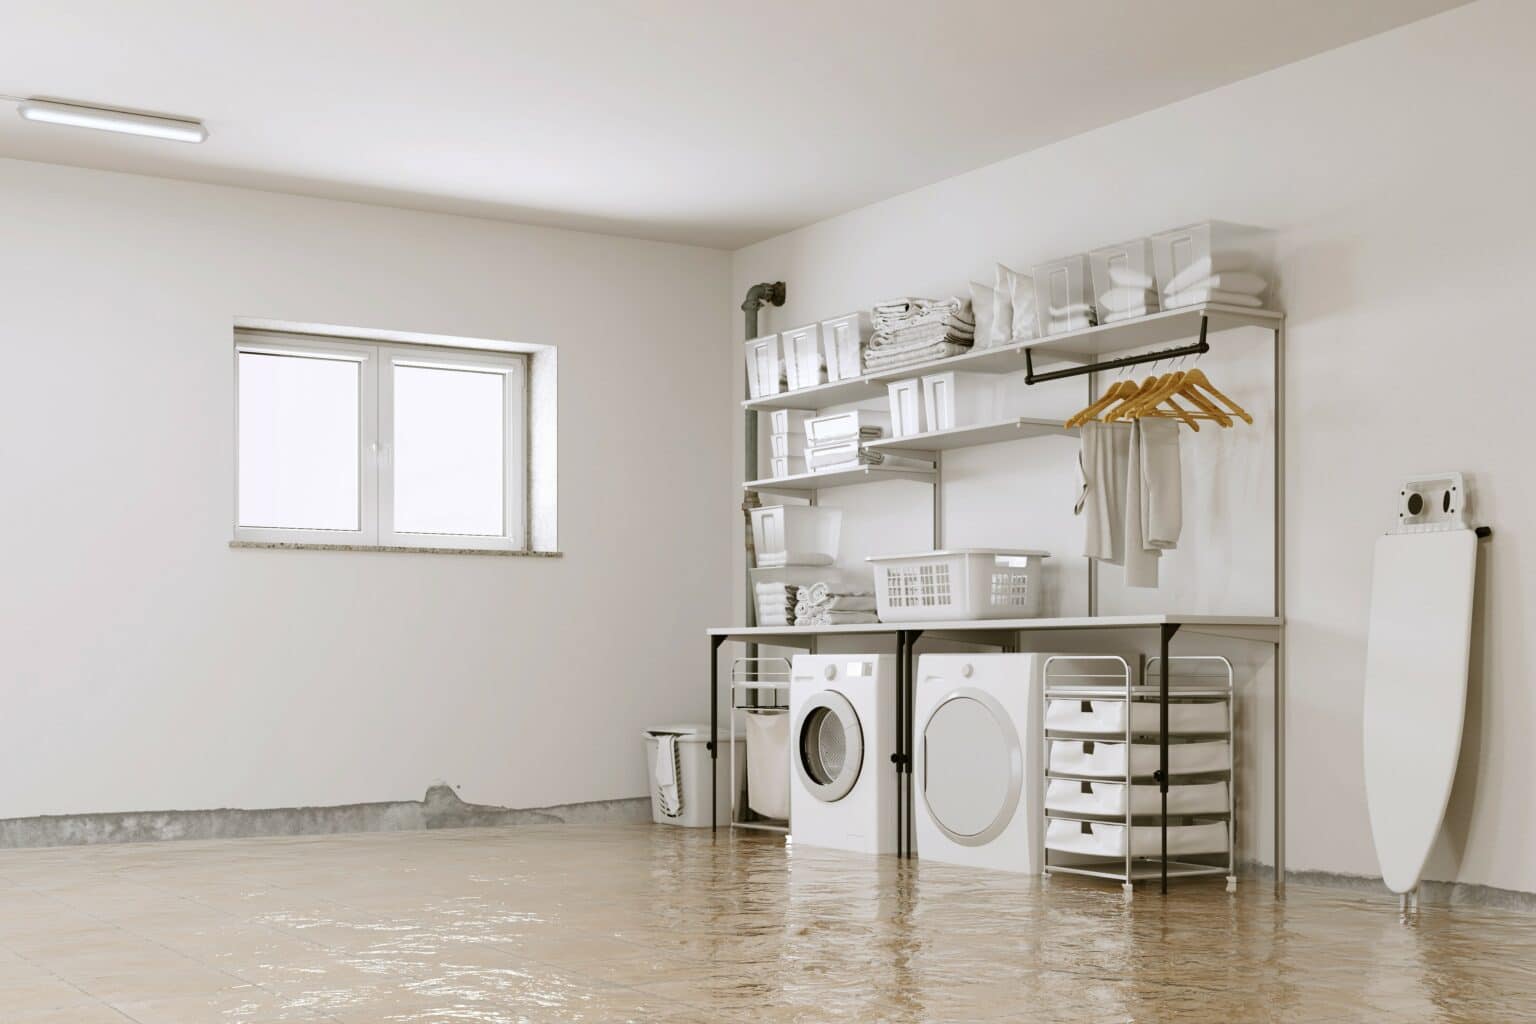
(1415, 691)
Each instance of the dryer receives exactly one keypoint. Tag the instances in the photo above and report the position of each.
(977, 745)
(843, 792)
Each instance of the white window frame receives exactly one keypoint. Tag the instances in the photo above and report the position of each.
(376, 441)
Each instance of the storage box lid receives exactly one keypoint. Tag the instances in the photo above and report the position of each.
(1013, 552)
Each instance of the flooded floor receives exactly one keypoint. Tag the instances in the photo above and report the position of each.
(633, 923)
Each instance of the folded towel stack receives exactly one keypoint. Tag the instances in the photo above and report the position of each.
(913, 330)
(1219, 278)
(834, 604)
(832, 458)
(1134, 294)
(775, 603)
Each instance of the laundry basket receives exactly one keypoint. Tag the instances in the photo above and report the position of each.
(768, 763)
(971, 583)
(686, 801)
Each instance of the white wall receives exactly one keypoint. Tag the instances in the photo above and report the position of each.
(1397, 174)
(146, 665)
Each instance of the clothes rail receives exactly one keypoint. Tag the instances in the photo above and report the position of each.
(1197, 348)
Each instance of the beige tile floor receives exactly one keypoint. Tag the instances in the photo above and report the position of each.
(633, 923)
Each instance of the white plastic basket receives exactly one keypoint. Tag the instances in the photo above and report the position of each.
(796, 534)
(972, 583)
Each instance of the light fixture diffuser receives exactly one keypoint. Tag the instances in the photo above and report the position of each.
(176, 129)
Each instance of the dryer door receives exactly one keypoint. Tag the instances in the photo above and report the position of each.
(829, 746)
(971, 767)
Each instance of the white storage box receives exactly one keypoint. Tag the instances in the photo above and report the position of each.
(1185, 257)
(1104, 759)
(1107, 839)
(1107, 799)
(765, 374)
(787, 446)
(782, 467)
(802, 357)
(954, 399)
(906, 397)
(1124, 282)
(789, 421)
(768, 763)
(1107, 717)
(984, 583)
(846, 426)
(843, 339)
(692, 768)
(796, 534)
(1062, 285)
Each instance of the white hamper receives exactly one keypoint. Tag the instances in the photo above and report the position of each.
(693, 776)
(768, 763)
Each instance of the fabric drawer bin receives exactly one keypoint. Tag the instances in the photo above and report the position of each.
(846, 426)
(765, 374)
(1066, 796)
(1107, 717)
(803, 365)
(1108, 760)
(843, 339)
(1107, 839)
(789, 421)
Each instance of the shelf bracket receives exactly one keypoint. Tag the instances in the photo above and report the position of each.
(1198, 348)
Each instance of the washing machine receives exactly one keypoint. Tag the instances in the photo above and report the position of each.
(844, 791)
(978, 777)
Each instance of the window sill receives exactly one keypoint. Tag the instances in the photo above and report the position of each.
(493, 552)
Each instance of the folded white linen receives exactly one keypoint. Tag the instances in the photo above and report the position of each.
(1196, 296)
(1141, 561)
(1240, 281)
(1162, 512)
(1070, 310)
(826, 618)
(1122, 276)
(1201, 269)
(1118, 300)
(925, 354)
(1127, 314)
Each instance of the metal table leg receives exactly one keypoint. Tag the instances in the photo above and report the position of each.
(714, 728)
(1165, 634)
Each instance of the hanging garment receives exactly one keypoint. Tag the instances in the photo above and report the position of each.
(665, 772)
(1101, 464)
(1140, 560)
(1162, 501)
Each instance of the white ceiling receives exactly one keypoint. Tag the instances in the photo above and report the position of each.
(716, 122)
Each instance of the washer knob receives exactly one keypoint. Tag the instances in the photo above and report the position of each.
(966, 670)
(830, 671)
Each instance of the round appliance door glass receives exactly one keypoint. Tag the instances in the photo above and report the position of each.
(829, 746)
(972, 768)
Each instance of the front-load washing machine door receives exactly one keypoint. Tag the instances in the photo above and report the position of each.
(829, 746)
(971, 767)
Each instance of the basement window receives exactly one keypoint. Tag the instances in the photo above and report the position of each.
(370, 445)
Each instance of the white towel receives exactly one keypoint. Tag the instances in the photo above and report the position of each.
(1118, 300)
(1240, 281)
(1203, 268)
(1122, 276)
(665, 774)
(1195, 296)
(816, 593)
(1162, 512)
(926, 354)
(1071, 309)
(1101, 464)
(1140, 560)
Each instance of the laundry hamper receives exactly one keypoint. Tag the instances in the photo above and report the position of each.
(768, 763)
(971, 583)
(687, 803)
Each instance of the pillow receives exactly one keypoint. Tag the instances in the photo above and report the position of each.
(982, 305)
(1023, 306)
(1002, 306)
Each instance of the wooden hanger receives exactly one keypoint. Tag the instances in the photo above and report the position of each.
(1118, 390)
(1198, 378)
(1145, 399)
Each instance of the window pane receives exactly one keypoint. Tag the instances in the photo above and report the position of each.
(299, 442)
(449, 458)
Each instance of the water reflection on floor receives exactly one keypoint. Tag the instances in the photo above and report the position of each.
(633, 923)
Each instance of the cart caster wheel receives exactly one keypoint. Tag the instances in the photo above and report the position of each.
(1127, 892)
(1231, 883)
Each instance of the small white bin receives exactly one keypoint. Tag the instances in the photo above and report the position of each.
(765, 374)
(768, 763)
(691, 765)
(1124, 284)
(787, 446)
(796, 534)
(954, 399)
(1184, 258)
(987, 583)
(1107, 799)
(1062, 285)
(1107, 839)
(789, 466)
(843, 339)
(847, 426)
(906, 398)
(802, 357)
(789, 421)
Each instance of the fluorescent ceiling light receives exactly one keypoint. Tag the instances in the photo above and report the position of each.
(177, 129)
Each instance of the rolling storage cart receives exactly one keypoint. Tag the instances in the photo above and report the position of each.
(1110, 812)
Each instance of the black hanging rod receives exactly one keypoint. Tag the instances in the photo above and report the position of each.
(1198, 348)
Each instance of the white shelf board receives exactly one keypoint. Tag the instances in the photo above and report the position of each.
(966, 437)
(1156, 329)
(840, 478)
